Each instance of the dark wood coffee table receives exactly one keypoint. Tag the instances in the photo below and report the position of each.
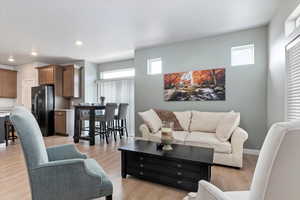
(182, 167)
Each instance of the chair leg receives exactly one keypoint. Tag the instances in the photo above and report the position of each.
(108, 197)
(106, 132)
(6, 134)
(125, 125)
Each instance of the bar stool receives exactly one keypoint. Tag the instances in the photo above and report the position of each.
(107, 121)
(84, 116)
(9, 131)
(121, 123)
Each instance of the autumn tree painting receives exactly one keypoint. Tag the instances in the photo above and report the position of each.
(201, 85)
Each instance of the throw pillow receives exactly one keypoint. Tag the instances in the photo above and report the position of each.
(205, 121)
(227, 125)
(169, 116)
(152, 120)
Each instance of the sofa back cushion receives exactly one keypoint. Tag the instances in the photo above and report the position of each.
(152, 120)
(184, 119)
(205, 121)
(169, 116)
(227, 125)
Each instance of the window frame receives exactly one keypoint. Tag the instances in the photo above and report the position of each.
(289, 45)
(149, 65)
(250, 46)
(118, 70)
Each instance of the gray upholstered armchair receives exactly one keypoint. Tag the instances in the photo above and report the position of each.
(59, 172)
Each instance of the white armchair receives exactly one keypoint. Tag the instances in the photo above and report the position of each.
(277, 172)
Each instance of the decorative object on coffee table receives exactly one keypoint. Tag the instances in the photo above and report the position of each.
(182, 167)
(167, 135)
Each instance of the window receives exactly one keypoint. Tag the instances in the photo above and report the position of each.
(293, 80)
(242, 55)
(154, 66)
(292, 23)
(117, 74)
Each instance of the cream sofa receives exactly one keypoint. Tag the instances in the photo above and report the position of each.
(199, 129)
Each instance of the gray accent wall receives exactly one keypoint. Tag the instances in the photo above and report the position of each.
(246, 86)
(277, 62)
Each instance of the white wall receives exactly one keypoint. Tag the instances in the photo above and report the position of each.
(90, 76)
(26, 72)
(277, 67)
(7, 102)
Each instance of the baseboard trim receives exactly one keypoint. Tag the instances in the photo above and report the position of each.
(252, 151)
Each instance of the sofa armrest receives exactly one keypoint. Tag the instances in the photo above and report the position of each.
(63, 152)
(238, 139)
(207, 191)
(145, 131)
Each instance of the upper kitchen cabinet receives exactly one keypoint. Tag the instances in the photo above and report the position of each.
(51, 75)
(71, 81)
(8, 83)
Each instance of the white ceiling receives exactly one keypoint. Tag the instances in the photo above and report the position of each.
(112, 29)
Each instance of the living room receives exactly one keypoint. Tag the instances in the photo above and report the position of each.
(194, 100)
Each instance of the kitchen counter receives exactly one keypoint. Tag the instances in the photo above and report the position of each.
(64, 110)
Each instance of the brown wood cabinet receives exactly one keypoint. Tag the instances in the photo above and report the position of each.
(52, 75)
(8, 83)
(46, 75)
(60, 122)
(71, 81)
(64, 121)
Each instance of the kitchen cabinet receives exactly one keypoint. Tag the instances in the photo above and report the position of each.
(8, 83)
(64, 122)
(51, 75)
(71, 81)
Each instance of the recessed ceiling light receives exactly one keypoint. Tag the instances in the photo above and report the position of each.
(34, 53)
(78, 43)
(11, 59)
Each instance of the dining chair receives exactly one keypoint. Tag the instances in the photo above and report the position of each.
(58, 172)
(120, 119)
(106, 121)
(276, 176)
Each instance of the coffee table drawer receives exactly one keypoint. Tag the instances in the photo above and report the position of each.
(160, 169)
(163, 162)
(182, 183)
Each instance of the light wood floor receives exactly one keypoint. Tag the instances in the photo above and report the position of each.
(14, 183)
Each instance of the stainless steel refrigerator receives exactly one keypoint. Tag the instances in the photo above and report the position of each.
(42, 100)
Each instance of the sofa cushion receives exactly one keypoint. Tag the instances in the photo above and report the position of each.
(179, 136)
(208, 140)
(227, 125)
(152, 120)
(205, 121)
(184, 119)
(169, 116)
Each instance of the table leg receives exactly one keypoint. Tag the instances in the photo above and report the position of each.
(92, 127)
(76, 126)
(123, 164)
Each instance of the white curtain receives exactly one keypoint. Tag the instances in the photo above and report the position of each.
(119, 91)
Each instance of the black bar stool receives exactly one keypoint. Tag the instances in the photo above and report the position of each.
(9, 131)
(121, 123)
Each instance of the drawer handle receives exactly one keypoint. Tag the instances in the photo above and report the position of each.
(179, 182)
(179, 173)
(179, 165)
(141, 165)
(141, 158)
(141, 173)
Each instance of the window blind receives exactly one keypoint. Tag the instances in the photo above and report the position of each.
(293, 80)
